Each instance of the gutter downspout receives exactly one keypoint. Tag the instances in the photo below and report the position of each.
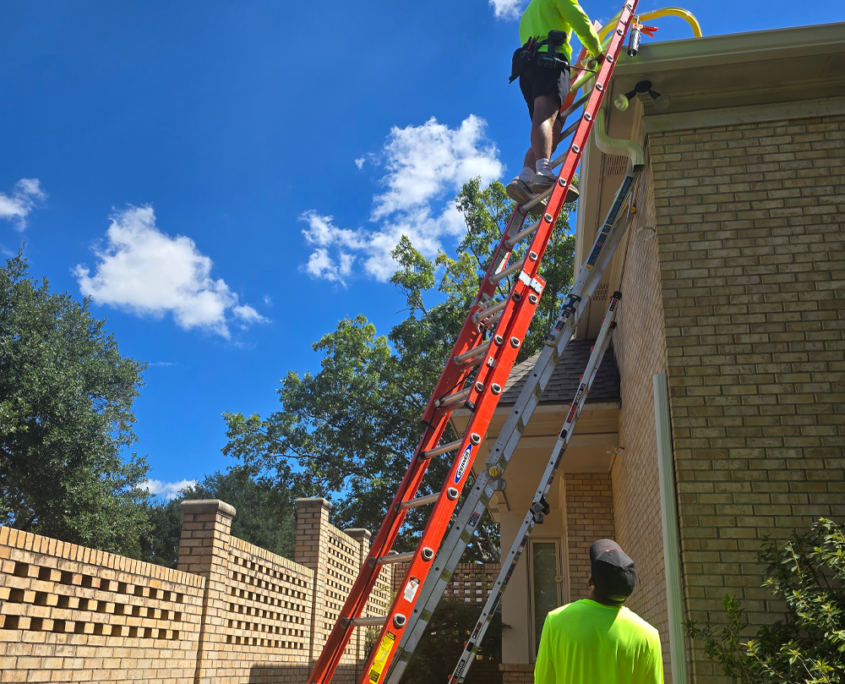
(669, 517)
(625, 148)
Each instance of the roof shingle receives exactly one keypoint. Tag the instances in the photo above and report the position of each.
(564, 381)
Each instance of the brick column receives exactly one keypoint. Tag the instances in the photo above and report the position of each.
(204, 551)
(312, 519)
(358, 641)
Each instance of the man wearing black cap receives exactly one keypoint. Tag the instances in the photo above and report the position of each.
(597, 640)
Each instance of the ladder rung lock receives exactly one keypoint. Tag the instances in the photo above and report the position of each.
(514, 342)
(399, 620)
(419, 501)
(562, 181)
(452, 493)
(427, 554)
(479, 387)
(533, 298)
(475, 438)
(451, 446)
(549, 218)
(504, 273)
(532, 256)
(494, 388)
(475, 351)
(499, 340)
(489, 311)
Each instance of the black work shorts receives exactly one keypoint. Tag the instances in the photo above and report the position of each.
(536, 81)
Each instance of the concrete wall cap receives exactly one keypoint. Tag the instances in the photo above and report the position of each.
(313, 501)
(358, 532)
(200, 506)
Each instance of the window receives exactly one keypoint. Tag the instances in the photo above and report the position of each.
(545, 585)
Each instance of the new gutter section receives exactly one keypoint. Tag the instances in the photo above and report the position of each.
(733, 48)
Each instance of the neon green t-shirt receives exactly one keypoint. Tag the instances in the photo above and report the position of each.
(542, 16)
(589, 643)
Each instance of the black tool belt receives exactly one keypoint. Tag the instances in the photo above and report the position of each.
(530, 53)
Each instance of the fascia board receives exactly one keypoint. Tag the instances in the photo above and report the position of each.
(734, 48)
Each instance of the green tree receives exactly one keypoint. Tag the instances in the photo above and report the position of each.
(263, 517)
(808, 645)
(348, 431)
(447, 631)
(66, 398)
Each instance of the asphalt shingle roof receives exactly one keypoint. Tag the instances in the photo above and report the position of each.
(564, 381)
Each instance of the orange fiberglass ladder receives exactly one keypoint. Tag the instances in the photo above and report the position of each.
(474, 377)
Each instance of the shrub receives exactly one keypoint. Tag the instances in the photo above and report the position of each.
(808, 645)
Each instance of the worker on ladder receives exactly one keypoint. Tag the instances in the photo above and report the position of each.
(597, 640)
(542, 66)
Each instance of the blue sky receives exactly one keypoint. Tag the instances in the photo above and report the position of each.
(226, 179)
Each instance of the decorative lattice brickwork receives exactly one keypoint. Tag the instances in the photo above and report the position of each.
(64, 606)
(470, 583)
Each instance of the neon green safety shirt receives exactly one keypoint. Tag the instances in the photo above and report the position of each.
(589, 643)
(542, 16)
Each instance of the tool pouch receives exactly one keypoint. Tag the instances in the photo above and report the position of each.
(522, 57)
(553, 59)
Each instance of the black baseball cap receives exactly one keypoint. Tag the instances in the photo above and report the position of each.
(614, 574)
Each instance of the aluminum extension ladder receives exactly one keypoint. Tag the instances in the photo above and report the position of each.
(539, 507)
(493, 358)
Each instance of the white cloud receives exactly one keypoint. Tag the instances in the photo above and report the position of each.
(150, 273)
(16, 207)
(166, 490)
(268, 300)
(360, 162)
(507, 9)
(424, 161)
(425, 166)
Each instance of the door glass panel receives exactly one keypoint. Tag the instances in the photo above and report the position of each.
(545, 592)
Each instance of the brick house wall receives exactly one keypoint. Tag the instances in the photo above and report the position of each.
(641, 352)
(589, 516)
(750, 233)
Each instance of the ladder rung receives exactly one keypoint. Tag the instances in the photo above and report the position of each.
(376, 621)
(394, 558)
(481, 315)
(419, 501)
(451, 446)
(504, 273)
(475, 351)
(455, 398)
(525, 233)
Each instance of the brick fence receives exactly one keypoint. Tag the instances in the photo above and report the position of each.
(230, 613)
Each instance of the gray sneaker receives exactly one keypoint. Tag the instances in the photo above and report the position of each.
(542, 183)
(519, 191)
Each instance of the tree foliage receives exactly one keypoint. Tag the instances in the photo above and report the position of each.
(262, 518)
(66, 415)
(449, 628)
(348, 431)
(808, 645)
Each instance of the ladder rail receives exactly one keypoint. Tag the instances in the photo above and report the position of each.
(607, 239)
(534, 516)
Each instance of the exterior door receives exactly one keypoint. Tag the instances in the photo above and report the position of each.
(546, 585)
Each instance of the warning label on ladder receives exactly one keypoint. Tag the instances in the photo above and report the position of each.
(380, 660)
